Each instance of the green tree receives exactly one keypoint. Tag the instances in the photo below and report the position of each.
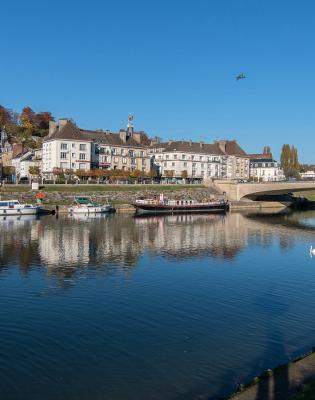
(169, 173)
(8, 171)
(27, 118)
(285, 159)
(184, 174)
(289, 160)
(294, 162)
(267, 150)
(34, 170)
(5, 116)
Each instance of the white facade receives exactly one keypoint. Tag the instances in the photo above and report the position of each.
(23, 163)
(266, 170)
(181, 164)
(237, 167)
(199, 161)
(307, 175)
(66, 154)
(70, 148)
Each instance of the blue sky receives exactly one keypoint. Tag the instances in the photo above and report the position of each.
(170, 63)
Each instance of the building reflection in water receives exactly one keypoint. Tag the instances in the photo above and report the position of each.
(69, 245)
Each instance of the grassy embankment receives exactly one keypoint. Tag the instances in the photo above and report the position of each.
(310, 195)
(98, 188)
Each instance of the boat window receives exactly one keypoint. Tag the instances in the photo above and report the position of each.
(3, 204)
(177, 202)
(190, 202)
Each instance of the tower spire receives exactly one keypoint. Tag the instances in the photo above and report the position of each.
(130, 128)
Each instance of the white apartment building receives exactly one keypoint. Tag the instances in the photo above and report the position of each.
(69, 147)
(265, 169)
(308, 175)
(199, 161)
(22, 163)
(187, 160)
(236, 160)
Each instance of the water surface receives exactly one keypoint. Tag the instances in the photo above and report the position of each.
(172, 307)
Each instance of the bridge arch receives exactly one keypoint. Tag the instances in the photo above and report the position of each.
(241, 191)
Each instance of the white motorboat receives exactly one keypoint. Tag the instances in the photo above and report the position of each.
(84, 205)
(14, 207)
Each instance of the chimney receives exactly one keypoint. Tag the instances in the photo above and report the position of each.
(130, 127)
(222, 145)
(17, 149)
(137, 137)
(52, 127)
(62, 122)
(123, 135)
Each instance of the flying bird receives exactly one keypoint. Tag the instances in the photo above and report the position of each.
(240, 76)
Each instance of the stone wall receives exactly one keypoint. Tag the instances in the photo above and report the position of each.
(125, 197)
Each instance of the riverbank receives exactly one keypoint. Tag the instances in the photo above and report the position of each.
(63, 195)
(122, 196)
(289, 381)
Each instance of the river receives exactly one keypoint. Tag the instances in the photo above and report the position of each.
(171, 307)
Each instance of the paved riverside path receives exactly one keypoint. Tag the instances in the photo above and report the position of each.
(285, 381)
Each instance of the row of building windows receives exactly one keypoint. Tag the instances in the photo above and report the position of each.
(64, 146)
(64, 155)
(194, 165)
(123, 152)
(192, 158)
(264, 165)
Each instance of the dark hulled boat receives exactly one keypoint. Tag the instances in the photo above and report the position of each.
(162, 205)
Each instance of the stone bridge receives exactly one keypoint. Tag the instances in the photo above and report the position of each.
(250, 191)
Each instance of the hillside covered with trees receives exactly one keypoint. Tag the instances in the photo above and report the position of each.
(27, 127)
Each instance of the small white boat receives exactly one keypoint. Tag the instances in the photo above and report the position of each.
(84, 205)
(14, 207)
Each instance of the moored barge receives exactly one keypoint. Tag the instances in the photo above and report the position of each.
(163, 205)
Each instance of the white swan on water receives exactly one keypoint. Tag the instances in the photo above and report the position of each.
(312, 251)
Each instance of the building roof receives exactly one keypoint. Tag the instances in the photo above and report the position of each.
(111, 138)
(222, 147)
(260, 156)
(189, 147)
(262, 160)
(232, 148)
(68, 132)
(71, 132)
